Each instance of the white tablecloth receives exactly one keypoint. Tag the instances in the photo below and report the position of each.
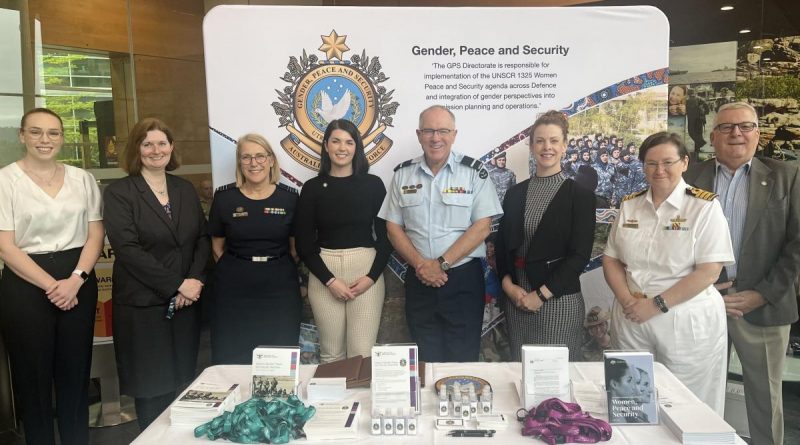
(501, 376)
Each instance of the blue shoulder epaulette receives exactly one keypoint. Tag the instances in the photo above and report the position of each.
(700, 193)
(403, 164)
(232, 185)
(475, 165)
(288, 188)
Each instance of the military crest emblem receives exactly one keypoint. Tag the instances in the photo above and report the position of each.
(321, 91)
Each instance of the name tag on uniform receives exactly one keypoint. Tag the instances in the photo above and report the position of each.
(239, 212)
(274, 211)
(631, 224)
(677, 224)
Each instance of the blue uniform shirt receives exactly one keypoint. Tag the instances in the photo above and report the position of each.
(436, 211)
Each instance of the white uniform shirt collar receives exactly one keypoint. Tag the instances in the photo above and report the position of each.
(675, 199)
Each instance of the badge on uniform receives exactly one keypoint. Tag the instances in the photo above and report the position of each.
(631, 224)
(274, 211)
(677, 224)
(239, 212)
(408, 189)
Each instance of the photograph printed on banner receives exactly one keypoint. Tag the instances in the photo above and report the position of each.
(702, 100)
(768, 77)
(712, 62)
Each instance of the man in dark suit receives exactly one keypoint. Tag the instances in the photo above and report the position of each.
(761, 201)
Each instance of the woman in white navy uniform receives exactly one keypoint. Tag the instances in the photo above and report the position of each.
(664, 253)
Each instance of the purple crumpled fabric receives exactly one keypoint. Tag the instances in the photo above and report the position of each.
(555, 422)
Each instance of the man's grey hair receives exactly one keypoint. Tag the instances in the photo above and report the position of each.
(436, 107)
(736, 106)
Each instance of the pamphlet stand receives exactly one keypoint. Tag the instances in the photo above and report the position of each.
(112, 409)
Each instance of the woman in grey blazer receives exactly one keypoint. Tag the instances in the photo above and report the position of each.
(157, 229)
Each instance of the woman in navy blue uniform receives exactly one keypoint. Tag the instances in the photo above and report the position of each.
(257, 293)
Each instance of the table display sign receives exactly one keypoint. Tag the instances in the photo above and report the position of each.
(545, 373)
(395, 377)
(275, 371)
(630, 388)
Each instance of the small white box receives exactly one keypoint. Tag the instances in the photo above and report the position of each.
(328, 389)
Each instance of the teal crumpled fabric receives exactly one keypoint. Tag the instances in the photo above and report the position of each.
(259, 421)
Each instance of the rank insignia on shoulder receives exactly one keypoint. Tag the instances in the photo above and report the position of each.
(475, 165)
(403, 164)
(232, 185)
(700, 193)
(634, 195)
(287, 188)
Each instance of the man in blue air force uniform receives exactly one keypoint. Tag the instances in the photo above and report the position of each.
(438, 212)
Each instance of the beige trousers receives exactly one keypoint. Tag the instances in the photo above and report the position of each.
(762, 351)
(346, 329)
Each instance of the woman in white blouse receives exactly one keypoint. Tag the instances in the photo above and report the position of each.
(51, 235)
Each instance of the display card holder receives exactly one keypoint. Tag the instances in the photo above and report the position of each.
(395, 377)
(545, 373)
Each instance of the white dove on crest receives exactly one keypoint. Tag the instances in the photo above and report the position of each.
(330, 112)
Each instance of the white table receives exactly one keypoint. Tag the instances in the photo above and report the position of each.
(506, 400)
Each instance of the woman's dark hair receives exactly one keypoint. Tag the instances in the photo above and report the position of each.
(615, 369)
(662, 137)
(132, 158)
(360, 163)
(551, 117)
(39, 110)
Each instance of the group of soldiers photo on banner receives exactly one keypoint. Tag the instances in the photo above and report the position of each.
(603, 163)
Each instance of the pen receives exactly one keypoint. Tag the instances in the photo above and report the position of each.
(471, 433)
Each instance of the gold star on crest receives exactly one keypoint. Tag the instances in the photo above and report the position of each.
(333, 45)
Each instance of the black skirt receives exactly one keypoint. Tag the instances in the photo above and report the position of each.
(255, 303)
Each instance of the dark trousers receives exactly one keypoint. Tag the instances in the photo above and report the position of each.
(149, 408)
(49, 347)
(445, 322)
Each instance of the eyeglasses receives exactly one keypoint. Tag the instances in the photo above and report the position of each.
(429, 132)
(37, 133)
(744, 127)
(259, 158)
(665, 164)
(152, 145)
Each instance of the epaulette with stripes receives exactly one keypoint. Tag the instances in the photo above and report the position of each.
(700, 193)
(475, 165)
(634, 195)
(221, 188)
(288, 188)
(404, 164)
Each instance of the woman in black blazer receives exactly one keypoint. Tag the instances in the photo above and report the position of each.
(543, 244)
(157, 229)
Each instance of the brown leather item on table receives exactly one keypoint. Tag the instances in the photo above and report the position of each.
(357, 371)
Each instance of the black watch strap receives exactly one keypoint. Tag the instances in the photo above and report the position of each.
(660, 303)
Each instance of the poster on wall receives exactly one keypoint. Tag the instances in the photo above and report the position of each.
(702, 79)
(286, 71)
(768, 77)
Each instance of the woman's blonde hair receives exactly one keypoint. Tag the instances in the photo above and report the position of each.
(274, 172)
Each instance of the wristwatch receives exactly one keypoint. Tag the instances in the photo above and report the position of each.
(83, 275)
(443, 263)
(660, 303)
(540, 294)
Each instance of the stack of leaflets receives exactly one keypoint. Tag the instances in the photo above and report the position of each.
(696, 423)
(202, 402)
(630, 386)
(275, 371)
(545, 373)
(334, 421)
